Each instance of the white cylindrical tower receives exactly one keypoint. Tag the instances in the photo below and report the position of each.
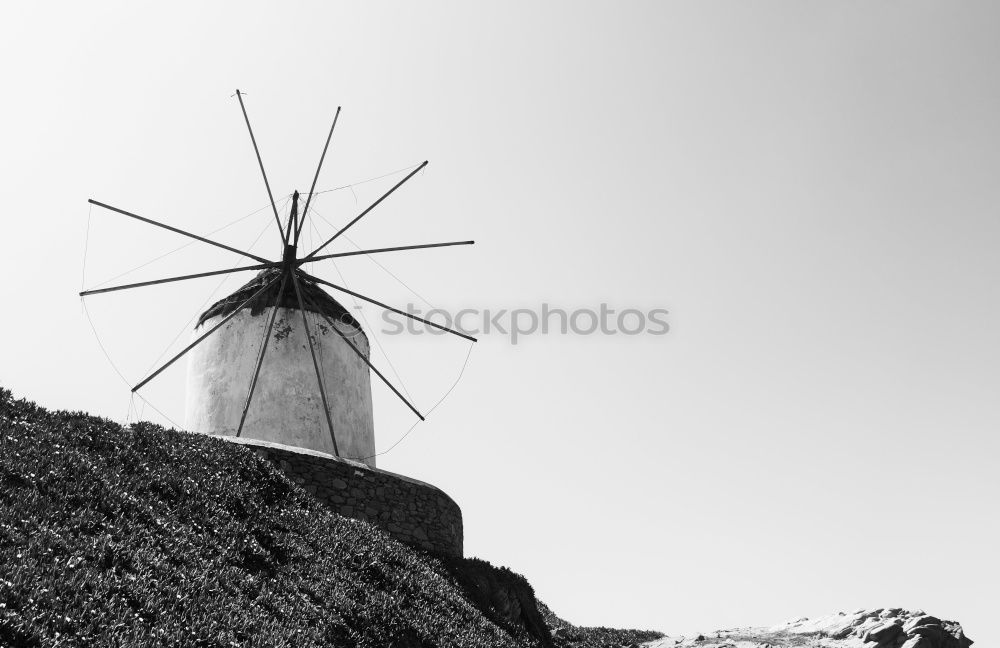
(286, 407)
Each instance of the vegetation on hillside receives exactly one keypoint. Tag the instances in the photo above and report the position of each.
(566, 635)
(141, 536)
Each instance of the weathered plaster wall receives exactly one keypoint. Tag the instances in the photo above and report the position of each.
(286, 406)
(409, 510)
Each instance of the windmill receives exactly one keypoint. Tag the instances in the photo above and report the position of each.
(223, 378)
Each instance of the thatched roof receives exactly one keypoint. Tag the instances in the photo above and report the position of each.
(314, 297)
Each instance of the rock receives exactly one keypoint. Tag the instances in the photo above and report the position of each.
(884, 633)
(916, 642)
(937, 636)
(923, 619)
(841, 633)
(955, 629)
(864, 628)
(861, 629)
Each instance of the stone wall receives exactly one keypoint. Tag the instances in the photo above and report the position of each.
(407, 509)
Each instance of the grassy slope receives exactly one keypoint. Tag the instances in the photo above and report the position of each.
(567, 635)
(144, 536)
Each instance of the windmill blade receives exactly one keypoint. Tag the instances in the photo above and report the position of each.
(179, 231)
(154, 282)
(305, 212)
(207, 333)
(260, 162)
(388, 249)
(263, 350)
(367, 362)
(387, 307)
(319, 374)
(370, 207)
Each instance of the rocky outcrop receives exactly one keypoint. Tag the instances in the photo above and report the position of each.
(878, 628)
(504, 597)
(883, 628)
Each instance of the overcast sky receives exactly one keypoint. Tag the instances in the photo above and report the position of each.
(809, 189)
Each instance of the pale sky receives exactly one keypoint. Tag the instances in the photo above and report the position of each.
(809, 188)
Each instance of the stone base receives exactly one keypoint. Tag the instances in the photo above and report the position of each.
(409, 510)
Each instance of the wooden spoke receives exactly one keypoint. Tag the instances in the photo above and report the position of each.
(319, 373)
(207, 333)
(261, 163)
(155, 282)
(305, 212)
(387, 307)
(263, 350)
(388, 249)
(179, 231)
(333, 325)
(370, 207)
(292, 216)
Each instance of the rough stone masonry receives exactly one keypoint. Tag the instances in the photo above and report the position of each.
(409, 510)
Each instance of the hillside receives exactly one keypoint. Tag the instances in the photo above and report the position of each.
(140, 536)
(137, 536)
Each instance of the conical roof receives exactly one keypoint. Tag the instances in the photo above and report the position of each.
(315, 298)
